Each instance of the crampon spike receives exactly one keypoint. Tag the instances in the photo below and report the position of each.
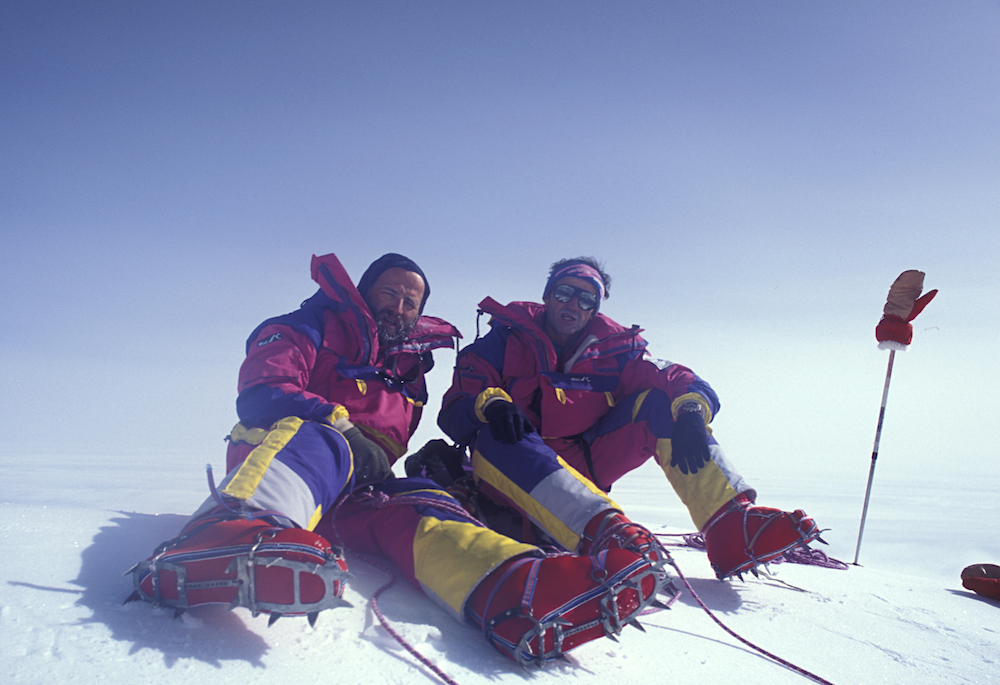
(274, 618)
(635, 624)
(244, 563)
(578, 599)
(312, 618)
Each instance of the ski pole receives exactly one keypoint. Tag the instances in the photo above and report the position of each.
(894, 332)
(878, 436)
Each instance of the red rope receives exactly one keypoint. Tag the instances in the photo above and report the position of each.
(813, 557)
(388, 628)
(787, 664)
(696, 540)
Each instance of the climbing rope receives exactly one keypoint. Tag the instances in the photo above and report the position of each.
(696, 540)
(389, 629)
(380, 500)
(774, 657)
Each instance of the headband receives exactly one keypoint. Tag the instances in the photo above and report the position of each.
(577, 270)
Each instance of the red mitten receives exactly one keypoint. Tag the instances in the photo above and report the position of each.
(893, 333)
(919, 305)
(902, 306)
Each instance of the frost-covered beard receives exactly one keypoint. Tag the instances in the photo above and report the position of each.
(392, 328)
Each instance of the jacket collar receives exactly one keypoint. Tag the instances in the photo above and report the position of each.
(601, 333)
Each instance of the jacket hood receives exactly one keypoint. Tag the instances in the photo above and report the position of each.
(428, 333)
(333, 280)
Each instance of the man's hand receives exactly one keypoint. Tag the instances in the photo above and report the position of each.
(434, 457)
(370, 462)
(507, 423)
(689, 443)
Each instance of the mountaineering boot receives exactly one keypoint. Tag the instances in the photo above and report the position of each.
(535, 610)
(613, 530)
(739, 537)
(253, 563)
(983, 579)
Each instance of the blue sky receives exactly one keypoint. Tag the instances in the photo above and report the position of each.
(755, 175)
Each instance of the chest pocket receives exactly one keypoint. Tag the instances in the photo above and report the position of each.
(572, 403)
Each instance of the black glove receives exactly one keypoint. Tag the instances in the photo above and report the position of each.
(370, 462)
(507, 423)
(433, 458)
(689, 443)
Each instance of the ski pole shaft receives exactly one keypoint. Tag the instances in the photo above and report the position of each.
(878, 436)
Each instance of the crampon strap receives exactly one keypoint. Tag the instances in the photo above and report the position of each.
(810, 557)
(242, 565)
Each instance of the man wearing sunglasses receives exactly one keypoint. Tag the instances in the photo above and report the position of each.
(559, 384)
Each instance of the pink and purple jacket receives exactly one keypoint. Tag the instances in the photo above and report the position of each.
(564, 398)
(323, 362)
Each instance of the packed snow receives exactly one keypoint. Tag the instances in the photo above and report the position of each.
(72, 525)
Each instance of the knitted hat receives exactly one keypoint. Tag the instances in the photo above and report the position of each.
(383, 264)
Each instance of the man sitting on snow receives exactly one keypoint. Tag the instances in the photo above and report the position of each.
(329, 396)
(559, 382)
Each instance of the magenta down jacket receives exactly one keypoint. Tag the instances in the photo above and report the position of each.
(324, 358)
(562, 399)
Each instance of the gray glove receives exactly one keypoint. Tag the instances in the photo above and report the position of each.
(370, 462)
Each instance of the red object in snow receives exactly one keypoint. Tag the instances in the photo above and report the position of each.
(983, 579)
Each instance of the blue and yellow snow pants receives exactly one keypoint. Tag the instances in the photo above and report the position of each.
(635, 429)
(529, 477)
(301, 469)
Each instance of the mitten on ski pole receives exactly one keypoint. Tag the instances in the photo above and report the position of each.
(904, 303)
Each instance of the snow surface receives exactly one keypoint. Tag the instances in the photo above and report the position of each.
(70, 526)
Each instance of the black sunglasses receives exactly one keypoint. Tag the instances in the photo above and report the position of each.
(565, 292)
